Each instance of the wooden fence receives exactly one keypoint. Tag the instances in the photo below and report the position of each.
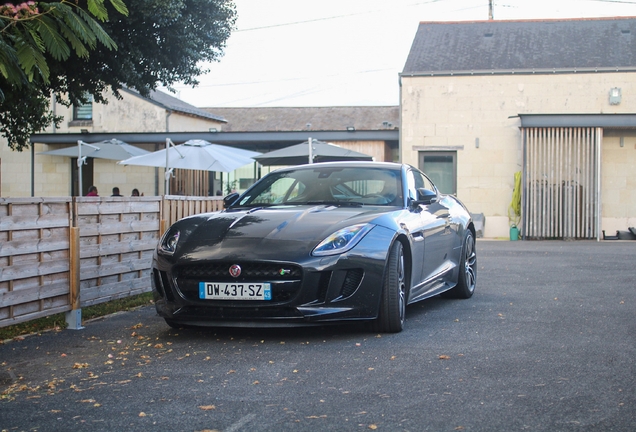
(62, 254)
(34, 257)
(176, 207)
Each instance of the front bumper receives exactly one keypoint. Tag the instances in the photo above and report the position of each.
(317, 290)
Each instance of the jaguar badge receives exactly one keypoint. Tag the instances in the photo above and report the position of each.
(235, 270)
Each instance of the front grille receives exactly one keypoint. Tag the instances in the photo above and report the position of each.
(263, 272)
(285, 279)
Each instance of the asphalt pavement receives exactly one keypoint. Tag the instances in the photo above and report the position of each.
(547, 343)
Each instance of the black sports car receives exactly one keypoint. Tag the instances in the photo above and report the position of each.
(316, 244)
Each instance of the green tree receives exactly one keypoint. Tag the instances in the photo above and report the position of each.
(159, 42)
(30, 30)
(33, 35)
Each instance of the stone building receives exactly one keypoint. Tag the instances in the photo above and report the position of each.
(554, 100)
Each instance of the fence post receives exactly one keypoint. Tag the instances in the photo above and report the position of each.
(74, 316)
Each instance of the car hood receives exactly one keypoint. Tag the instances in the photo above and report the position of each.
(270, 233)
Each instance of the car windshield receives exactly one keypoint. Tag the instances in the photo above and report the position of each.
(327, 185)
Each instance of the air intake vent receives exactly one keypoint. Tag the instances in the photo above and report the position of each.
(351, 282)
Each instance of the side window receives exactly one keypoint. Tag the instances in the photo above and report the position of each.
(428, 184)
(417, 180)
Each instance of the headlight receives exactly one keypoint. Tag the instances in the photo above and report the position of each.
(168, 243)
(342, 240)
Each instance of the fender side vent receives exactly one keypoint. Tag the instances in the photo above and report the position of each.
(351, 282)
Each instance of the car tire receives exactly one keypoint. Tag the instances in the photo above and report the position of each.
(467, 277)
(393, 301)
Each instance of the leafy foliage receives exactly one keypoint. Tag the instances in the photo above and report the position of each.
(32, 30)
(158, 42)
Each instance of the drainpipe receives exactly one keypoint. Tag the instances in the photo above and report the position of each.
(32, 169)
(401, 126)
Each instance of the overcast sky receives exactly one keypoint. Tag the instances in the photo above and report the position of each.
(345, 52)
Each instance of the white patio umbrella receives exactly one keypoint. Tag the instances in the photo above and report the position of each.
(310, 151)
(112, 149)
(194, 155)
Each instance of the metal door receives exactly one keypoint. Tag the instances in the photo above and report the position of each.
(561, 183)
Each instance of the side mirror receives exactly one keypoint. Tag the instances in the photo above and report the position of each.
(230, 199)
(426, 196)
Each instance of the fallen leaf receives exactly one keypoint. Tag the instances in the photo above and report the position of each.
(80, 365)
(444, 357)
(142, 414)
(373, 427)
(207, 407)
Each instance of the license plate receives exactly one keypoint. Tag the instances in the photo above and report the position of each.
(235, 291)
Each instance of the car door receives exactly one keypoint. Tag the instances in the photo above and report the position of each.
(438, 237)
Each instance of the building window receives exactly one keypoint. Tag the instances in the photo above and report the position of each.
(441, 167)
(84, 111)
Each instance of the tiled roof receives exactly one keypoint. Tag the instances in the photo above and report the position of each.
(540, 46)
(305, 118)
(174, 104)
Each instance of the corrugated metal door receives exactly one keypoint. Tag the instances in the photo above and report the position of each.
(560, 198)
